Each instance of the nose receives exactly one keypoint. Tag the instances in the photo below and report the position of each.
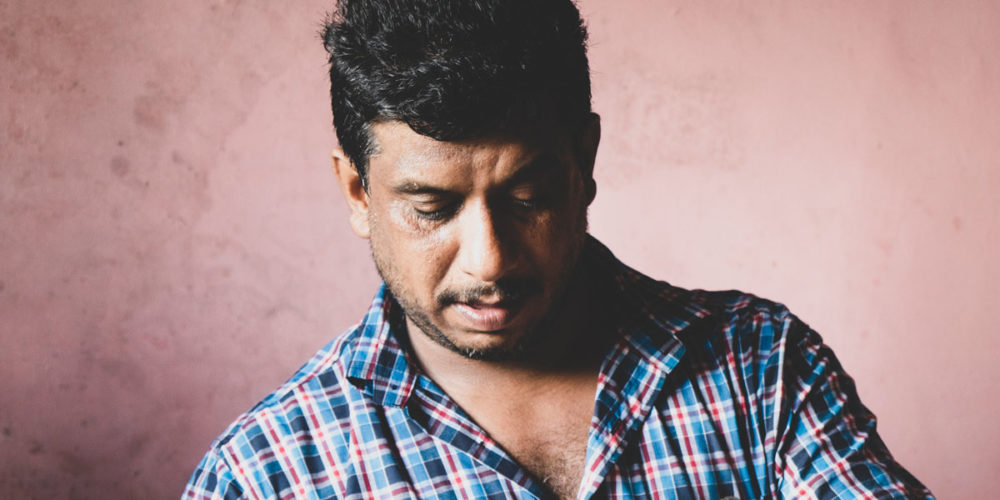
(485, 253)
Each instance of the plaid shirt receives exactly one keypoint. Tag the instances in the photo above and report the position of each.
(705, 395)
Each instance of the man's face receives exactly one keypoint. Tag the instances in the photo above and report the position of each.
(477, 240)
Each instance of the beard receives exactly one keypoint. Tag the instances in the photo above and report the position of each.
(508, 292)
(513, 290)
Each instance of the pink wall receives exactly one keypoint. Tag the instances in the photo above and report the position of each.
(173, 244)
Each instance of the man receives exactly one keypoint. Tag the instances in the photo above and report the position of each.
(509, 354)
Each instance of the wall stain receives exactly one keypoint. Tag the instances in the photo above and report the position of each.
(74, 464)
(127, 372)
(120, 166)
(36, 448)
(885, 246)
(136, 445)
(16, 132)
(151, 109)
(147, 113)
(8, 44)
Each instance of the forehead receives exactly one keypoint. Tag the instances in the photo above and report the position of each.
(401, 152)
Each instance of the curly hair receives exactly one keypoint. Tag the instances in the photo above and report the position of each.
(454, 69)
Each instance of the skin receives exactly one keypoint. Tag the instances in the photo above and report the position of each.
(479, 241)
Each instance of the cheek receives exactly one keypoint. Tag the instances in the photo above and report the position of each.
(422, 256)
(562, 235)
(435, 260)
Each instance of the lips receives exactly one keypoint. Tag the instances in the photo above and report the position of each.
(488, 317)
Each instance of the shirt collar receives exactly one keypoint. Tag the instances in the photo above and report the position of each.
(377, 362)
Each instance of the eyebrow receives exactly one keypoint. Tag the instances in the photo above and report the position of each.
(414, 188)
(539, 166)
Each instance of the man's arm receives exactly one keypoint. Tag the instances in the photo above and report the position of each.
(827, 443)
(213, 480)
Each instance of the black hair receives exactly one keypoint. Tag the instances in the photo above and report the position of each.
(454, 69)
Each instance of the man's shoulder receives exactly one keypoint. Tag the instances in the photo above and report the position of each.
(740, 306)
(663, 300)
(712, 320)
(748, 321)
(745, 334)
(730, 320)
(304, 430)
(289, 434)
(317, 395)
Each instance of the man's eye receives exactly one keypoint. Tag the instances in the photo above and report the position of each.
(528, 203)
(433, 212)
(529, 200)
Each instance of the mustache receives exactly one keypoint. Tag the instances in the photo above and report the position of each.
(504, 290)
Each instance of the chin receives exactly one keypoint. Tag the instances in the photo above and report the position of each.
(496, 346)
(492, 353)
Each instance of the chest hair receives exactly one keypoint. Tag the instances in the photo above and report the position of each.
(557, 463)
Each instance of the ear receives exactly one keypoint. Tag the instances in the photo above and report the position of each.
(358, 201)
(586, 151)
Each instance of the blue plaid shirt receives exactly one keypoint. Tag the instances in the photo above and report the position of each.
(705, 395)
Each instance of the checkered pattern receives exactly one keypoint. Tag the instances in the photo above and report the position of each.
(705, 395)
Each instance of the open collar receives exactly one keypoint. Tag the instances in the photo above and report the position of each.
(650, 316)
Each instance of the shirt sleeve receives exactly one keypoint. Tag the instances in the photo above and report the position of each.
(213, 480)
(828, 447)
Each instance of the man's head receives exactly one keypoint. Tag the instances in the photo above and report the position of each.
(467, 155)
(454, 70)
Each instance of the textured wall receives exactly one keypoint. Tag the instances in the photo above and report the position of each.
(172, 244)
